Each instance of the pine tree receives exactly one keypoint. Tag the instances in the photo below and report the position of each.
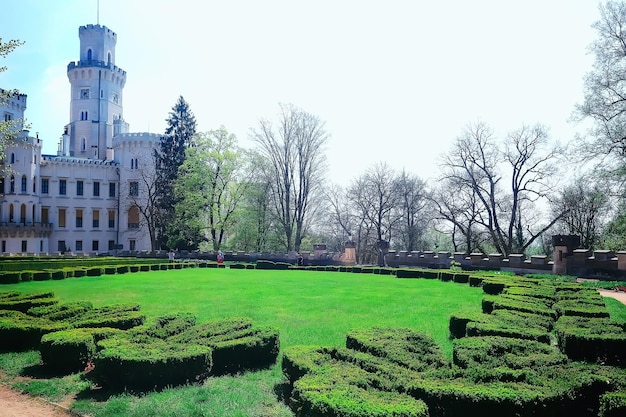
(181, 128)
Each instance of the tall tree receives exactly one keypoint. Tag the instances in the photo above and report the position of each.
(375, 198)
(507, 214)
(181, 128)
(212, 182)
(605, 90)
(584, 206)
(412, 211)
(294, 149)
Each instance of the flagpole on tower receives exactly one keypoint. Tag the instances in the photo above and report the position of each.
(98, 13)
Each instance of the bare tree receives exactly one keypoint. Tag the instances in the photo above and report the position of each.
(585, 207)
(294, 149)
(412, 210)
(476, 162)
(374, 198)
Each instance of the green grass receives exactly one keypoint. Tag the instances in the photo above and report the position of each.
(310, 308)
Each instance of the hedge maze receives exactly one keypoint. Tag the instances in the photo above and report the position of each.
(126, 353)
(537, 349)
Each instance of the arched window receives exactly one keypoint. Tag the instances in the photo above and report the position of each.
(23, 214)
(89, 55)
(11, 214)
(12, 158)
(136, 163)
(83, 144)
(133, 217)
(109, 58)
(23, 188)
(12, 186)
(34, 185)
(132, 164)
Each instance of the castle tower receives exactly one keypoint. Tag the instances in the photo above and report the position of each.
(96, 96)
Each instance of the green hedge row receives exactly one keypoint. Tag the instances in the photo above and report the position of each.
(522, 304)
(69, 351)
(591, 339)
(24, 302)
(498, 376)
(19, 331)
(613, 404)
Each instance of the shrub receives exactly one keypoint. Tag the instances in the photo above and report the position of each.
(123, 364)
(329, 395)
(67, 351)
(26, 276)
(153, 267)
(144, 268)
(58, 312)
(613, 404)
(237, 266)
(94, 272)
(122, 269)
(582, 309)
(78, 273)
(461, 278)
(135, 268)
(24, 302)
(591, 339)
(404, 347)
(10, 278)
(475, 281)
(42, 276)
(19, 331)
(458, 322)
(409, 273)
(110, 270)
(120, 316)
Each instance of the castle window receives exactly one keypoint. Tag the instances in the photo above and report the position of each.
(109, 58)
(79, 218)
(111, 219)
(11, 213)
(83, 142)
(45, 215)
(44, 185)
(34, 185)
(79, 187)
(12, 186)
(79, 246)
(8, 117)
(95, 245)
(89, 55)
(61, 246)
(95, 218)
(62, 187)
(133, 217)
(96, 189)
(62, 213)
(134, 188)
(23, 183)
(111, 189)
(23, 214)
(2, 185)
(12, 158)
(24, 246)
(84, 93)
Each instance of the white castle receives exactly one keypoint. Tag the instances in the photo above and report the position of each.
(86, 198)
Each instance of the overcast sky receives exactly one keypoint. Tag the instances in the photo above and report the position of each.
(394, 81)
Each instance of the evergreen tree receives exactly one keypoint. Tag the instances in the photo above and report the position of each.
(181, 128)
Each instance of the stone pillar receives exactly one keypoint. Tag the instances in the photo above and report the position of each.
(563, 248)
(319, 250)
(349, 253)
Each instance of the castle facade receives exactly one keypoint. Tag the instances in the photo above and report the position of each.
(87, 198)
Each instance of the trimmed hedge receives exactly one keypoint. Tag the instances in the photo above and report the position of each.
(581, 309)
(324, 395)
(27, 301)
(58, 312)
(613, 404)
(591, 339)
(118, 316)
(122, 363)
(264, 264)
(10, 278)
(404, 347)
(67, 351)
(19, 331)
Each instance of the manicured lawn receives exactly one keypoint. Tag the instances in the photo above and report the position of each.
(311, 308)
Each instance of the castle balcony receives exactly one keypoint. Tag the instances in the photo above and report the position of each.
(25, 229)
(93, 63)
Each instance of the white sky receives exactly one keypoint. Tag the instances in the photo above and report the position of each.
(394, 80)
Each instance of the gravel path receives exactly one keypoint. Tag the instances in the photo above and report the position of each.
(16, 404)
